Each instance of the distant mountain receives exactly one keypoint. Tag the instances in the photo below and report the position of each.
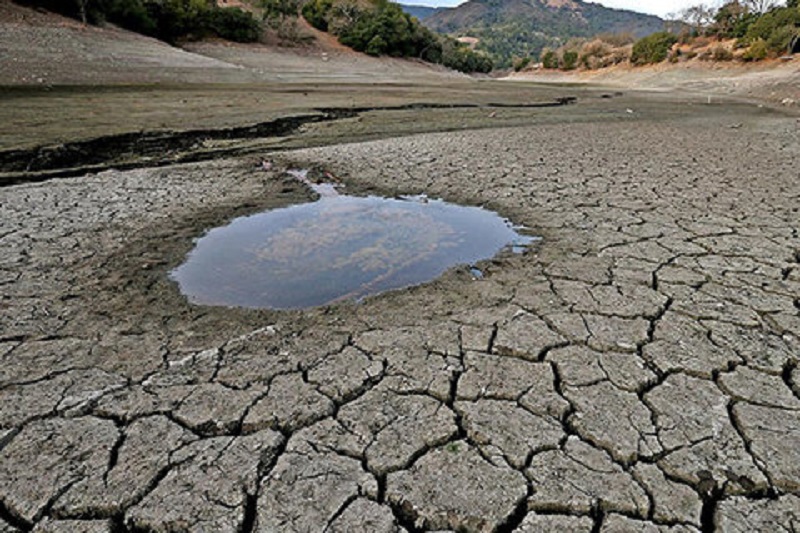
(522, 28)
(421, 12)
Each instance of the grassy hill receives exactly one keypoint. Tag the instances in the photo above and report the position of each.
(522, 28)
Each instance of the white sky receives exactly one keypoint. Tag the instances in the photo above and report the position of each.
(655, 7)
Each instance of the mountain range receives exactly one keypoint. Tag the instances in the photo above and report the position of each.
(522, 28)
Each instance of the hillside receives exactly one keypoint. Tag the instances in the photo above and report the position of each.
(522, 28)
(421, 12)
(42, 48)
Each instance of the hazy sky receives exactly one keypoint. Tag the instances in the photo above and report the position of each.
(656, 7)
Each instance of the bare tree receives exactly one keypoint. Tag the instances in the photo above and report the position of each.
(699, 17)
(760, 6)
(82, 7)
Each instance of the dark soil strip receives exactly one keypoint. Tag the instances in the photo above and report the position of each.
(151, 149)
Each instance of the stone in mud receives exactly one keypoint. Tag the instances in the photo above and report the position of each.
(477, 497)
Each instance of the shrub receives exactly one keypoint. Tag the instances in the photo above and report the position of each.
(520, 64)
(718, 53)
(653, 48)
(549, 58)
(315, 12)
(232, 24)
(617, 39)
(595, 54)
(569, 60)
(757, 51)
(380, 27)
(776, 27)
(168, 20)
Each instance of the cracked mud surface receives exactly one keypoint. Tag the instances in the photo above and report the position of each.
(638, 371)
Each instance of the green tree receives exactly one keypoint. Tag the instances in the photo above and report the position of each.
(569, 60)
(549, 58)
(778, 28)
(653, 48)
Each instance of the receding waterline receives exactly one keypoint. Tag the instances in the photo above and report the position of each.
(339, 248)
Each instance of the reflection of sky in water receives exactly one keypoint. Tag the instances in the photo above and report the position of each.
(340, 247)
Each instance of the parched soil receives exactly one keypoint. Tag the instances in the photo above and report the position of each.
(636, 371)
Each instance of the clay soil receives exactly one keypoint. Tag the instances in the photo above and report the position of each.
(636, 371)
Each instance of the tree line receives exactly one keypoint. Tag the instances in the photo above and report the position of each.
(749, 30)
(381, 27)
(168, 20)
(376, 27)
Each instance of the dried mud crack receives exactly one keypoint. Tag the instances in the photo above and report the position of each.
(151, 149)
(638, 371)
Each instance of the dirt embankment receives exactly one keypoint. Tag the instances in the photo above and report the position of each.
(775, 81)
(39, 48)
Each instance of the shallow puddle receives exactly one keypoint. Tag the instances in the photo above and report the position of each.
(338, 248)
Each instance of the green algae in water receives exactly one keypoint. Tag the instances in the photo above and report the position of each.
(338, 248)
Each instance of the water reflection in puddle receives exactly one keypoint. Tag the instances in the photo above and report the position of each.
(338, 248)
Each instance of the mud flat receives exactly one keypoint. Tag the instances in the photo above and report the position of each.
(636, 371)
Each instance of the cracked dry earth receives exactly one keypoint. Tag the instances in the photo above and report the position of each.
(635, 372)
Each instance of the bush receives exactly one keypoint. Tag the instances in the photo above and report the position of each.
(168, 20)
(459, 57)
(569, 60)
(315, 12)
(520, 64)
(777, 28)
(380, 27)
(653, 48)
(617, 39)
(757, 51)
(717, 53)
(549, 59)
(232, 24)
(595, 54)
